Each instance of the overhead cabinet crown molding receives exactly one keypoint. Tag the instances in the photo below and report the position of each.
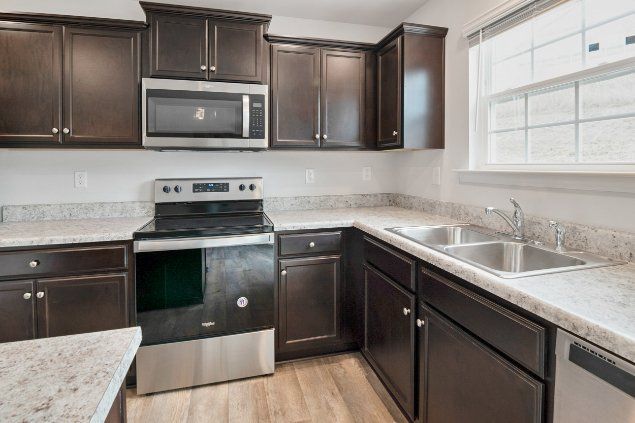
(150, 7)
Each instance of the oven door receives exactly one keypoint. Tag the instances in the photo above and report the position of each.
(197, 115)
(219, 286)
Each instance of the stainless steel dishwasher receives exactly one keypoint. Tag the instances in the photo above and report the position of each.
(592, 385)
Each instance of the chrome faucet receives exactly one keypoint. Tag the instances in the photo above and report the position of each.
(517, 221)
(560, 232)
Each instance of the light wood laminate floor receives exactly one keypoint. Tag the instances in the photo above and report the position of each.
(341, 388)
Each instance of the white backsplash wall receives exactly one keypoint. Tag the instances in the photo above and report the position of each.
(590, 208)
(47, 176)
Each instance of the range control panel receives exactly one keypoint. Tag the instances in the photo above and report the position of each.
(214, 189)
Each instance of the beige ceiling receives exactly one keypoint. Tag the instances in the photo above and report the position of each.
(385, 13)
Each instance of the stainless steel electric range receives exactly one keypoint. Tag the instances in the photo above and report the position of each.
(204, 284)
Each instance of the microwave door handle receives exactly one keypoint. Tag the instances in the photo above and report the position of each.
(245, 116)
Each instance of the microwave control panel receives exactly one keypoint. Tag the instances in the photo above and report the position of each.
(257, 116)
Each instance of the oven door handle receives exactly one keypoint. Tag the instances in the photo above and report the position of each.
(172, 244)
(245, 116)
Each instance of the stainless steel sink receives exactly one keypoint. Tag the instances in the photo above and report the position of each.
(444, 235)
(500, 254)
(512, 257)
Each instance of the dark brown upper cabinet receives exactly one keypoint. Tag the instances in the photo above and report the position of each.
(31, 84)
(179, 46)
(206, 44)
(319, 92)
(69, 81)
(410, 88)
(101, 87)
(295, 96)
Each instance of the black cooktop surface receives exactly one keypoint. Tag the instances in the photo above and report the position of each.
(204, 226)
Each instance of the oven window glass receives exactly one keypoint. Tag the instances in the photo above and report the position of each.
(194, 114)
(191, 294)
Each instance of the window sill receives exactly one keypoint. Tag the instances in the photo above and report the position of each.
(613, 182)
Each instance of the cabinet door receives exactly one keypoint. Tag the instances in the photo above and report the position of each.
(101, 86)
(389, 95)
(17, 311)
(295, 96)
(67, 306)
(463, 380)
(31, 84)
(343, 88)
(235, 51)
(178, 46)
(389, 333)
(309, 309)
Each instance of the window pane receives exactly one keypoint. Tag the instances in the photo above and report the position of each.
(507, 147)
(596, 11)
(552, 106)
(606, 97)
(558, 22)
(511, 73)
(611, 38)
(558, 58)
(508, 113)
(511, 42)
(608, 141)
(553, 144)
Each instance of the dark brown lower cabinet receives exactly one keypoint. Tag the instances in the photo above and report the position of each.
(117, 413)
(462, 380)
(390, 336)
(17, 311)
(81, 304)
(309, 303)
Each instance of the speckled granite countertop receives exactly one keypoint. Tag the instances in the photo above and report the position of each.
(596, 304)
(66, 378)
(48, 232)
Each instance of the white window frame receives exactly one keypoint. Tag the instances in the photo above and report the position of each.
(480, 144)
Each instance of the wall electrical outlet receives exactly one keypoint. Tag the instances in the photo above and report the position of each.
(310, 176)
(436, 176)
(367, 173)
(81, 179)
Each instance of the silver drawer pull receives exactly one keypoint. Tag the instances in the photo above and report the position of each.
(66, 130)
(27, 296)
(203, 67)
(394, 133)
(311, 244)
(283, 273)
(40, 294)
(212, 68)
(208, 324)
(406, 311)
(34, 263)
(55, 130)
(420, 323)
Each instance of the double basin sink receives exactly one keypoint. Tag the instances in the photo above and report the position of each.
(499, 254)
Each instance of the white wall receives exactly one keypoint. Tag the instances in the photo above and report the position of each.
(46, 176)
(600, 209)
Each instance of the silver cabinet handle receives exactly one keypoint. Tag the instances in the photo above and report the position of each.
(212, 68)
(27, 296)
(317, 136)
(55, 130)
(283, 273)
(406, 311)
(34, 263)
(66, 130)
(394, 133)
(324, 136)
(40, 294)
(203, 67)
(420, 323)
(311, 244)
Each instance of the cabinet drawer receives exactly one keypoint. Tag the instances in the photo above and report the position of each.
(400, 268)
(322, 242)
(519, 338)
(66, 261)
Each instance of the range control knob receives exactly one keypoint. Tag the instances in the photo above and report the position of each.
(242, 187)
(166, 189)
(252, 187)
(178, 188)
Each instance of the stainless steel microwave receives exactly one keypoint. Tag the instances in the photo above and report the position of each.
(200, 115)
